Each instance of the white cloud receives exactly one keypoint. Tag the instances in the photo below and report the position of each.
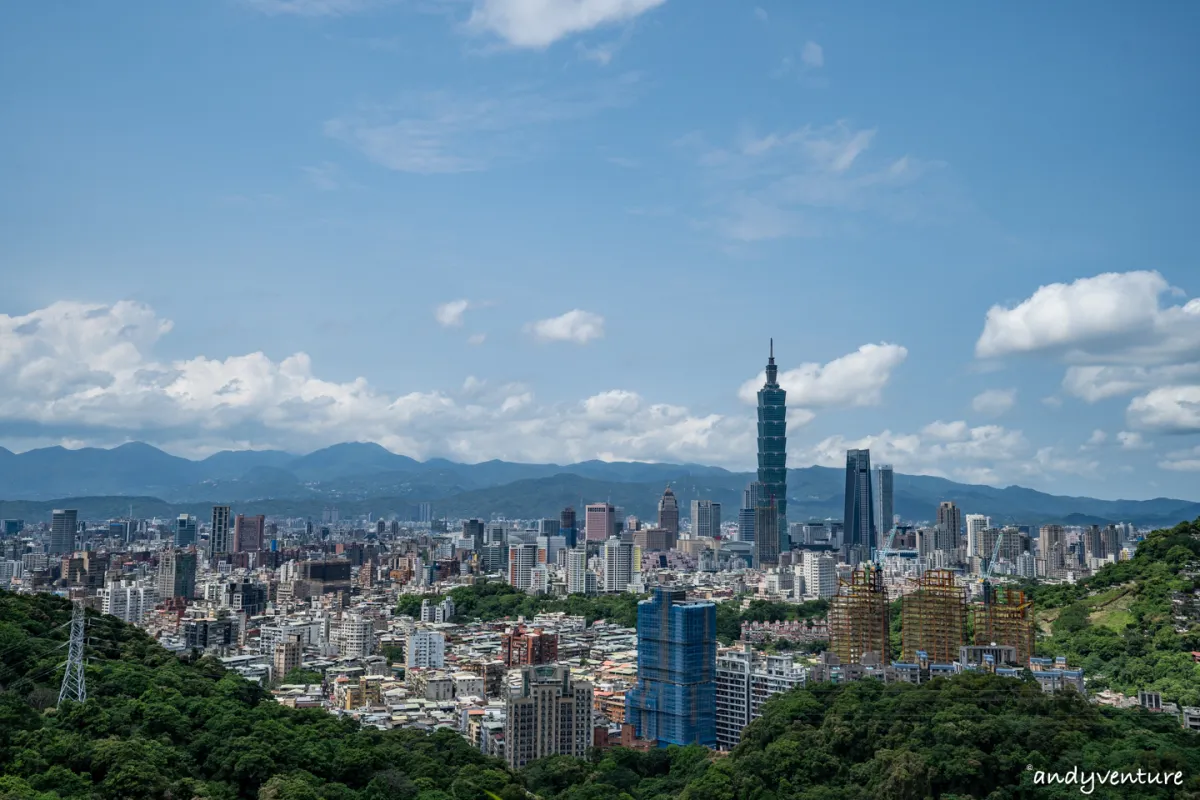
(1094, 383)
(574, 326)
(855, 379)
(988, 454)
(1113, 317)
(1182, 460)
(1098, 437)
(994, 402)
(86, 373)
(326, 176)
(538, 24)
(812, 55)
(442, 133)
(1132, 441)
(760, 14)
(1168, 409)
(788, 184)
(450, 315)
(476, 339)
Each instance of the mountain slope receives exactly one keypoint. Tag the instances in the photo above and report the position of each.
(367, 476)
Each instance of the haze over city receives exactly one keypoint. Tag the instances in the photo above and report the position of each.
(471, 230)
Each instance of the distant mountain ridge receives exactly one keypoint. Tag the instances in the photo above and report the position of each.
(361, 477)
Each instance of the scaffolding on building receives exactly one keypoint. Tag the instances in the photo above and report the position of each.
(858, 616)
(933, 619)
(1005, 617)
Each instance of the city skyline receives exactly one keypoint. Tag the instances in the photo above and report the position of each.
(373, 223)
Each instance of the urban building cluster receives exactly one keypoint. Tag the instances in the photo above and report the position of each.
(310, 609)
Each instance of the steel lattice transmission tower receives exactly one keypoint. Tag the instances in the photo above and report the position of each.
(73, 685)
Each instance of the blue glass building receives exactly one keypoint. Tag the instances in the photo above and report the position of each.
(675, 698)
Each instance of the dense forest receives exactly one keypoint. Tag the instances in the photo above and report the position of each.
(495, 600)
(1134, 624)
(156, 727)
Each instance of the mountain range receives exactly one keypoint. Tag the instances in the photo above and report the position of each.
(364, 477)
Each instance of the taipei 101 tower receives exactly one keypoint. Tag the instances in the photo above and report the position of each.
(772, 442)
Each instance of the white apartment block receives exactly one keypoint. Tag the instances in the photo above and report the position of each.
(425, 649)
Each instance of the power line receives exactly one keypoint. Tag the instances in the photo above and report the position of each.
(74, 685)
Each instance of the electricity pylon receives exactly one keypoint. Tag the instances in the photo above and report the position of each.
(73, 685)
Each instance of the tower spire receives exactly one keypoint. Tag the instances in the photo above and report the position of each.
(772, 370)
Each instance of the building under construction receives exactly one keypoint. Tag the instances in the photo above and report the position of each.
(1005, 617)
(858, 617)
(933, 619)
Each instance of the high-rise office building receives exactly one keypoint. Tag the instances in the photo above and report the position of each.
(949, 521)
(547, 714)
(185, 531)
(859, 531)
(600, 521)
(220, 537)
(976, 525)
(473, 529)
(567, 527)
(885, 510)
(706, 518)
(772, 440)
(746, 525)
(248, 533)
(64, 524)
(521, 559)
(668, 516)
(578, 574)
(674, 700)
(766, 535)
(618, 564)
(176, 573)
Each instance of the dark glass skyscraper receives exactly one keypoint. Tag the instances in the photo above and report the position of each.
(772, 441)
(859, 530)
(675, 699)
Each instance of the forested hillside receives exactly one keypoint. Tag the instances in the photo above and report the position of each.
(1134, 624)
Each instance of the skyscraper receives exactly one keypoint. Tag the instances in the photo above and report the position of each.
(859, 526)
(618, 564)
(949, 521)
(766, 535)
(176, 573)
(185, 531)
(885, 510)
(976, 525)
(521, 559)
(675, 698)
(473, 529)
(567, 527)
(248, 533)
(668, 516)
(772, 439)
(600, 521)
(752, 498)
(220, 538)
(706, 518)
(63, 526)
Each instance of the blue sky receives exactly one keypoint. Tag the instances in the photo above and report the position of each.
(549, 230)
